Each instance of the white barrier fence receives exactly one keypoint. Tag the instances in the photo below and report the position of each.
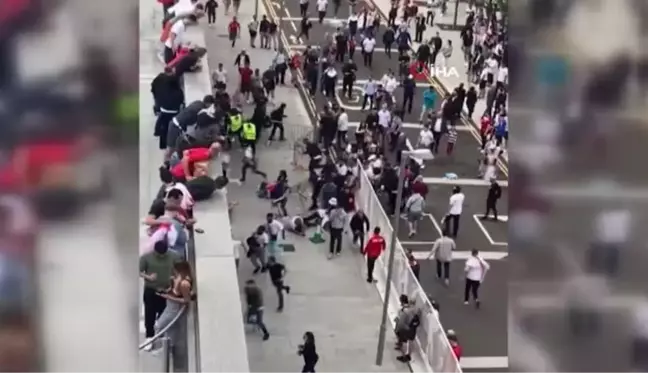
(430, 337)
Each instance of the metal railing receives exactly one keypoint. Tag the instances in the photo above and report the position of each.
(431, 337)
(159, 335)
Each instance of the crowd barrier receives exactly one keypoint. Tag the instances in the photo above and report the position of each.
(430, 337)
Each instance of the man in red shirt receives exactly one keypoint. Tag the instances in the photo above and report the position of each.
(375, 246)
(484, 129)
(186, 168)
(246, 73)
(234, 30)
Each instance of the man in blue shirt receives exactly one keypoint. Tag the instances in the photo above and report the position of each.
(429, 102)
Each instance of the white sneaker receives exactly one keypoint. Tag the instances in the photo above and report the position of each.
(149, 347)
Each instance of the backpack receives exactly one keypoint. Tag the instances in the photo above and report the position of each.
(415, 322)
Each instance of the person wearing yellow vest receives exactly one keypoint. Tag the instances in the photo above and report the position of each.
(248, 136)
(235, 126)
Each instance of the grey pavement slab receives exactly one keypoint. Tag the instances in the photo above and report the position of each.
(329, 298)
(482, 332)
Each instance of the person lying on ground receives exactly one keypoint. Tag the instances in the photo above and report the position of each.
(298, 224)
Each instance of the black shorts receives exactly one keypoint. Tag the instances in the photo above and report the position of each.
(489, 79)
(482, 84)
(246, 87)
(404, 336)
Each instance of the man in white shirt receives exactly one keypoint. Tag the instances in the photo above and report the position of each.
(611, 232)
(174, 40)
(368, 45)
(369, 93)
(183, 8)
(384, 118)
(219, 76)
(502, 77)
(342, 127)
(491, 72)
(455, 207)
(426, 138)
(389, 82)
(321, 9)
(475, 271)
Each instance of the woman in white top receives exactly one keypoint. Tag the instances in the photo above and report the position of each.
(475, 271)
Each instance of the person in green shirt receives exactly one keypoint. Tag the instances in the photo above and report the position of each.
(156, 268)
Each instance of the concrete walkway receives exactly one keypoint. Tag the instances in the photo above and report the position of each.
(329, 298)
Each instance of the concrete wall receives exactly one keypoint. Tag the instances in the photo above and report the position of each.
(221, 338)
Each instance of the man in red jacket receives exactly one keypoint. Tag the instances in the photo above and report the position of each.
(375, 246)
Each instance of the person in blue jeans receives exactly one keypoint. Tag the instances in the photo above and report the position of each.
(429, 102)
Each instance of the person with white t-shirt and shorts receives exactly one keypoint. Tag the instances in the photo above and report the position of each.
(455, 207)
(174, 40)
(475, 271)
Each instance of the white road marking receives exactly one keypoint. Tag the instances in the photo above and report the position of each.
(463, 255)
(486, 234)
(417, 243)
(464, 182)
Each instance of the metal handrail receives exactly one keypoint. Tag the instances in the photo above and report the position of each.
(161, 333)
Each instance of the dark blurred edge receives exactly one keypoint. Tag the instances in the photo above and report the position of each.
(108, 115)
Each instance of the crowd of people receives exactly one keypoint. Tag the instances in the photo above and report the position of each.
(195, 134)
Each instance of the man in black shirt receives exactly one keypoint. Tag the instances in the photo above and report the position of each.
(210, 9)
(494, 194)
(276, 118)
(436, 43)
(277, 272)
(349, 76)
(158, 207)
(272, 33)
(264, 31)
(359, 227)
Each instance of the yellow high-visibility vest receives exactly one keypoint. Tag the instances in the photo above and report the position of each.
(236, 122)
(249, 131)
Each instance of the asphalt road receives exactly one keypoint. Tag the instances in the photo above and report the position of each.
(483, 332)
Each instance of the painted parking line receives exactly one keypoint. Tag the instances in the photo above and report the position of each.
(463, 182)
(477, 220)
(464, 255)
